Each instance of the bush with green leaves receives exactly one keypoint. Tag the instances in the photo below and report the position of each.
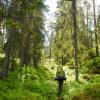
(91, 66)
(39, 85)
(91, 53)
(83, 90)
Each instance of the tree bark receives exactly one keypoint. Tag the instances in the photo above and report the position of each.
(75, 39)
(7, 47)
(6, 60)
(96, 37)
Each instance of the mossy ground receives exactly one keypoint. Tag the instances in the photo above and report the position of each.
(40, 85)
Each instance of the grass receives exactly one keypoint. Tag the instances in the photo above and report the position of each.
(83, 90)
(40, 85)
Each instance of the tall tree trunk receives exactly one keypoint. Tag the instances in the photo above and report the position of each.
(87, 18)
(24, 60)
(7, 46)
(96, 37)
(75, 39)
(6, 59)
(87, 14)
(91, 42)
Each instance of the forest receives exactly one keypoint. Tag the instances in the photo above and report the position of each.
(32, 50)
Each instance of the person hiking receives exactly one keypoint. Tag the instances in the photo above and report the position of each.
(60, 77)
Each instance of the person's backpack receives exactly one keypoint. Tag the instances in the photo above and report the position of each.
(60, 75)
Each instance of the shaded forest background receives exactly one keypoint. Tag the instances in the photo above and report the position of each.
(28, 65)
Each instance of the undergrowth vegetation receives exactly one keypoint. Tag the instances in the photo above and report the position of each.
(40, 85)
(83, 90)
(89, 62)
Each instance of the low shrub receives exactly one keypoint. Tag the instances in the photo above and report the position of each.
(91, 66)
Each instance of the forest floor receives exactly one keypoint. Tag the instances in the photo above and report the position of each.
(87, 88)
(40, 85)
